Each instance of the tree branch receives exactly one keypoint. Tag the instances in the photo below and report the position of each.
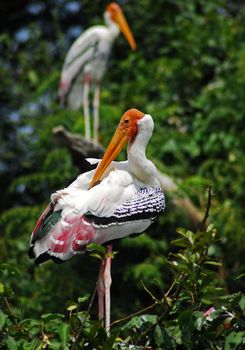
(206, 215)
(78, 147)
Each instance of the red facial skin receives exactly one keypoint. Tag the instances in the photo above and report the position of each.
(125, 132)
(113, 8)
(128, 123)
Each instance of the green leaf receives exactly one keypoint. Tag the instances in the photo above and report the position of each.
(64, 333)
(50, 317)
(240, 276)
(162, 338)
(149, 318)
(235, 340)
(54, 345)
(180, 242)
(84, 298)
(82, 315)
(1, 288)
(3, 318)
(175, 333)
(134, 322)
(231, 298)
(96, 255)
(72, 307)
(35, 343)
(189, 235)
(139, 321)
(12, 270)
(216, 263)
(11, 343)
(96, 247)
(30, 322)
(242, 303)
(181, 231)
(199, 320)
(210, 227)
(191, 320)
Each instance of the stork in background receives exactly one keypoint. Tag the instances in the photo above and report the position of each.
(86, 62)
(114, 201)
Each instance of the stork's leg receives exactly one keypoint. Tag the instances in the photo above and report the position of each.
(96, 104)
(107, 283)
(101, 290)
(86, 108)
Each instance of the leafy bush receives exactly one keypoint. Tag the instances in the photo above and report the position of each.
(193, 313)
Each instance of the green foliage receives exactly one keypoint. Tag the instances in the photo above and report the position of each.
(189, 73)
(180, 315)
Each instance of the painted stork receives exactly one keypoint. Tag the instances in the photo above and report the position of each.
(113, 201)
(86, 62)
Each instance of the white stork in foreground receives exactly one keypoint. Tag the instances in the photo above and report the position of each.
(114, 201)
(86, 62)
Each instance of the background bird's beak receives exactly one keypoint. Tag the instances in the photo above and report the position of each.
(123, 25)
(118, 141)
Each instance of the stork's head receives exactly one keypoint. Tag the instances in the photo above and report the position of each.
(115, 14)
(125, 132)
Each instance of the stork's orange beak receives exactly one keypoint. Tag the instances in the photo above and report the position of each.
(118, 141)
(124, 27)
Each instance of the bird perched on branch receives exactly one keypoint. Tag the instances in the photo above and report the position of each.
(113, 201)
(86, 62)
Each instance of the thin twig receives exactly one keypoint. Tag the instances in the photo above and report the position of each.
(148, 291)
(175, 296)
(135, 313)
(167, 310)
(8, 306)
(156, 302)
(169, 290)
(206, 215)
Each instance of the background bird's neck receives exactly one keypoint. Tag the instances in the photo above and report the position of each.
(112, 26)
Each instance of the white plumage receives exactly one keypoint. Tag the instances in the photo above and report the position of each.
(120, 183)
(87, 58)
(86, 63)
(113, 201)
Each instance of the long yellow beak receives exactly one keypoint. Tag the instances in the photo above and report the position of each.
(118, 141)
(124, 27)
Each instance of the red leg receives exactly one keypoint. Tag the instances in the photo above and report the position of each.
(107, 284)
(101, 290)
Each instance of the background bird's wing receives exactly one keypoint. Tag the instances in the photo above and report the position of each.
(83, 51)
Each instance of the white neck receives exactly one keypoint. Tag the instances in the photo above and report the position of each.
(140, 166)
(112, 26)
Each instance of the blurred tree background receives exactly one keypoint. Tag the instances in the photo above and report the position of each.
(188, 73)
